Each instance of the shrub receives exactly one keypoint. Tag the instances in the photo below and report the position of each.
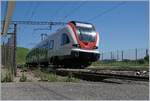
(43, 77)
(70, 78)
(23, 78)
(52, 77)
(126, 60)
(7, 77)
(37, 73)
(146, 58)
(140, 61)
(48, 77)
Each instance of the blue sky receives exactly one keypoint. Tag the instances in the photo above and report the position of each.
(121, 25)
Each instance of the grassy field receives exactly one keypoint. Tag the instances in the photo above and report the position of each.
(44, 75)
(121, 65)
(21, 54)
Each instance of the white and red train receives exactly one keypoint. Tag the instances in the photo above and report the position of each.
(76, 44)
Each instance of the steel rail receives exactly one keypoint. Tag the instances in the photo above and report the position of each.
(95, 76)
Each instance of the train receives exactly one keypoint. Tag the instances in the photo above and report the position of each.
(74, 45)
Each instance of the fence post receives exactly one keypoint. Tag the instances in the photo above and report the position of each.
(136, 54)
(14, 49)
(122, 55)
(102, 56)
(3, 54)
(117, 56)
(111, 55)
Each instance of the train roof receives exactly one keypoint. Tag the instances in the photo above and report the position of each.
(82, 24)
(75, 22)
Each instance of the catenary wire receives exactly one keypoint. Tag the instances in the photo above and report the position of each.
(74, 10)
(107, 11)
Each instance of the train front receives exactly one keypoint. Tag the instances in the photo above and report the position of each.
(86, 41)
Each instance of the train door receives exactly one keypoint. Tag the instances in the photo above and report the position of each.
(51, 48)
(65, 44)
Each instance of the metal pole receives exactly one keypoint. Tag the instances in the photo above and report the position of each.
(102, 56)
(117, 56)
(9, 56)
(122, 55)
(3, 54)
(136, 54)
(111, 55)
(14, 51)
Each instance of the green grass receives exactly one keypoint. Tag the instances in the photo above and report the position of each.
(121, 65)
(6, 76)
(122, 68)
(23, 78)
(118, 63)
(21, 55)
(70, 78)
(52, 77)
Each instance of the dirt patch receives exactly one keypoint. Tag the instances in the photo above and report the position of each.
(30, 76)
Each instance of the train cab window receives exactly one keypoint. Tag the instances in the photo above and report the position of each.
(51, 44)
(64, 39)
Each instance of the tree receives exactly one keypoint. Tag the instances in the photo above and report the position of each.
(146, 58)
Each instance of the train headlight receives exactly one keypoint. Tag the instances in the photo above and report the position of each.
(95, 47)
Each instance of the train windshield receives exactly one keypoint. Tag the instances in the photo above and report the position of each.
(86, 34)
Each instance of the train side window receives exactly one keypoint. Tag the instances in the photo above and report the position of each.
(51, 44)
(64, 39)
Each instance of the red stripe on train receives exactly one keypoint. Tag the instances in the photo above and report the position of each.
(83, 45)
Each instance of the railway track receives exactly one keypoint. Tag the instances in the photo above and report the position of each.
(98, 75)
